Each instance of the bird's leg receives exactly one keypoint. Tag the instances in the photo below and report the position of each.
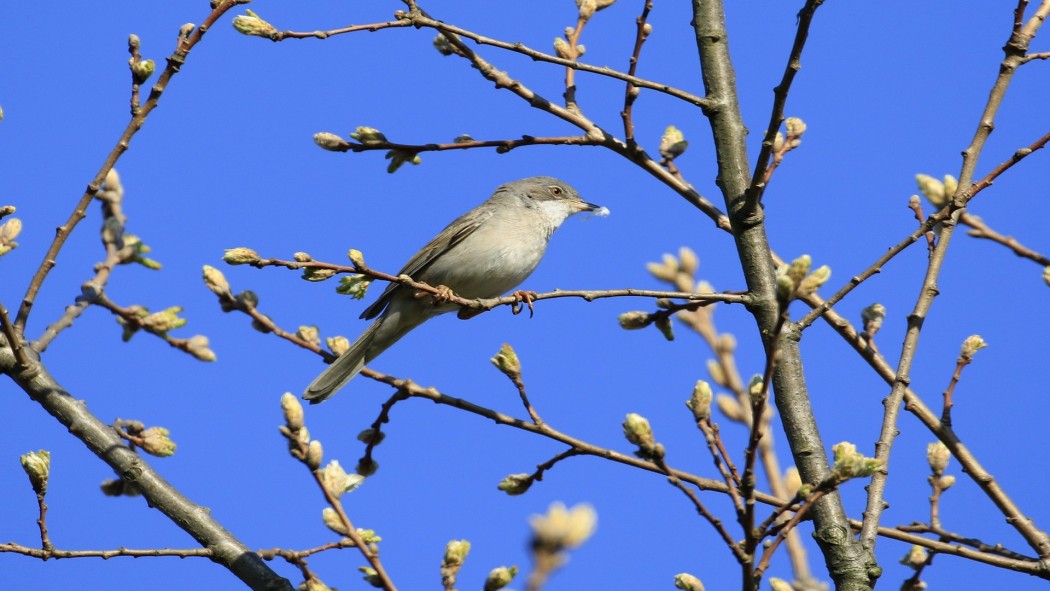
(523, 296)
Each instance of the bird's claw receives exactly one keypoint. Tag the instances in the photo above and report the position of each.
(442, 295)
(522, 296)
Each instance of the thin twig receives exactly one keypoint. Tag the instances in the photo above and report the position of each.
(188, 39)
(780, 96)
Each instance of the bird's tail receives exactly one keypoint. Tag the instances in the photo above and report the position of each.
(344, 368)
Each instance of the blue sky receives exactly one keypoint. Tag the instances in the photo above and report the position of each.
(888, 90)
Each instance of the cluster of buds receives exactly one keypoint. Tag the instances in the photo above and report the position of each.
(795, 280)
(937, 455)
(152, 440)
(587, 8)
(562, 528)
(849, 463)
(795, 128)
(355, 286)
(937, 192)
(678, 271)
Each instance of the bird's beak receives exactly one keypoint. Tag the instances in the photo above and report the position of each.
(598, 210)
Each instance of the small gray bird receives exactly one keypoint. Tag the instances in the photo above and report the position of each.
(485, 253)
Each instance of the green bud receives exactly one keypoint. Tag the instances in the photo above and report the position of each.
(367, 467)
(37, 465)
(515, 484)
(672, 143)
(356, 257)
(10, 230)
(700, 401)
(562, 49)
(216, 281)
(198, 347)
(293, 411)
(456, 553)
(316, 274)
(310, 334)
(932, 189)
(399, 157)
(795, 126)
(718, 375)
(331, 142)
(780, 585)
(337, 482)
(851, 464)
(915, 558)
(302, 257)
(814, 280)
(563, 528)
(786, 286)
(165, 320)
(663, 323)
(314, 454)
(732, 409)
(444, 47)
(368, 135)
(951, 185)
(251, 24)
(506, 360)
(873, 317)
(355, 286)
(937, 454)
(155, 442)
(635, 320)
(337, 345)
(371, 436)
(792, 481)
(688, 262)
(687, 582)
(970, 346)
(638, 431)
(798, 269)
(500, 577)
(142, 70)
(240, 256)
(248, 299)
(756, 391)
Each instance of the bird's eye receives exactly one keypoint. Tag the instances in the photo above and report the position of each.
(555, 190)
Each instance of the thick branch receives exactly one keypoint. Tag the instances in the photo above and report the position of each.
(107, 445)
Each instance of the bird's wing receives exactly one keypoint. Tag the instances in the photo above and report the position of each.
(452, 235)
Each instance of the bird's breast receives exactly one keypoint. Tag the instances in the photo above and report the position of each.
(492, 260)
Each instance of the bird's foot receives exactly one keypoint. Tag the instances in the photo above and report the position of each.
(443, 295)
(522, 296)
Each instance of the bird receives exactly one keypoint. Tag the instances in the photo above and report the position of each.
(484, 253)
